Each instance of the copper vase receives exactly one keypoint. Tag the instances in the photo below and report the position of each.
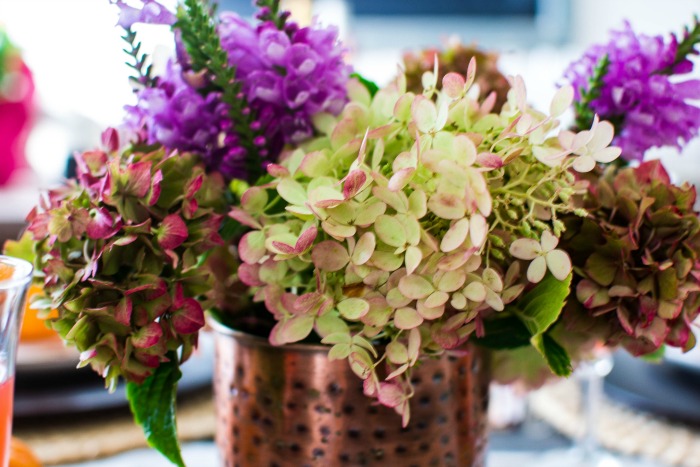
(292, 407)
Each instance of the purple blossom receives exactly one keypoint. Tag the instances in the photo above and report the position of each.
(652, 107)
(291, 74)
(176, 115)
(286, 77)
(151, 12)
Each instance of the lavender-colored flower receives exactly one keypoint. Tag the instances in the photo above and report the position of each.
(290, 75)
(174, 114)
(151, 12)
(650, 107)
(287, 76)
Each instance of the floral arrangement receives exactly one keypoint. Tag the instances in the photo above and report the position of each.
(391, 224)
(396, 223)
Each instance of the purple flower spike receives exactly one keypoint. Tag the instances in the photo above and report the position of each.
(652, 105)
(286, 78)
(151, 12)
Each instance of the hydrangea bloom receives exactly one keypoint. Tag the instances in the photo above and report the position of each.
(398, 229)
(287, 77)
(639, 88)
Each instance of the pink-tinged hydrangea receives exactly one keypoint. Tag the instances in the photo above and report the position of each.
(118, 250)
(637, 258)
(397, 230)
(641, 91)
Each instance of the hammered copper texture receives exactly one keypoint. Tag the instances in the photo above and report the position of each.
(290, 406)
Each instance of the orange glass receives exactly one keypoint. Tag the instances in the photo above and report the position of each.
(15, 276)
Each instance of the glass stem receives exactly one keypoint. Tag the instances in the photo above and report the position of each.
(591, 395)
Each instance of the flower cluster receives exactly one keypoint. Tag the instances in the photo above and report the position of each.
(287, 75)
(119, 252)
(637, 258)
(455, 58)
(173, 113)
(640, 90)
(393, 226)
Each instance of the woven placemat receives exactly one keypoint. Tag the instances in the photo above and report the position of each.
(82, 438)
(621, 428)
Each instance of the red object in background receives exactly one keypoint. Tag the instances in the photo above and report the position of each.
(16, 114)
(6, 393)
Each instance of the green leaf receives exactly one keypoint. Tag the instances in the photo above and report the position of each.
(656, 356)
(503, 333)
(230, 229)
(555, 355)
(153, 405)
(541, 306)
(370, 85)
(582, 107)
(686, 46)
(22, 248)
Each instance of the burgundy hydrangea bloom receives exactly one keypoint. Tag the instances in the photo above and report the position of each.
(641, 91)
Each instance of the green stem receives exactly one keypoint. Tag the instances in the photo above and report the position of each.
(203, 44)
(584, 112)
(685, 47)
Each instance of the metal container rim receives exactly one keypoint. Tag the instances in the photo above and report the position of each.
(257, 341)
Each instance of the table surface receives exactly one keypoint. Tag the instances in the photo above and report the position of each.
(507, 448)
(203, 454)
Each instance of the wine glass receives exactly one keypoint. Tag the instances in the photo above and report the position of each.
(15, 276)
(586, 450)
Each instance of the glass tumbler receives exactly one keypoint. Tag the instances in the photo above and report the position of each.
(15, 277)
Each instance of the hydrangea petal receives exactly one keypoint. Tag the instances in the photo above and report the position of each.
(455, 236)
(548, 241)
(584, 164)
(562, 100)
(353, 308)
(329, 256)
(415, 287)
(537, 269)
(424, 114)
(453, 85)
(407, 318)
(559, 264)
(364, 248)
(525, 248)
(414, 256)
(476, 292)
